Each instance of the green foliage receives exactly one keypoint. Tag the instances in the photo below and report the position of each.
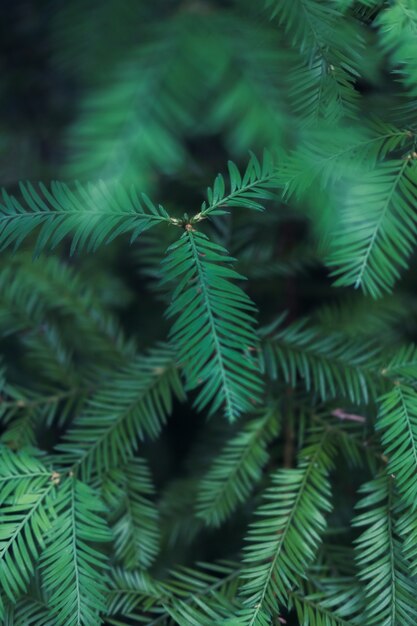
(247, 191)
(164, 460)
(389, 590)
(284, 541)
(398, 421)
(328, 602)
(127, 491)
(369, 253)
(214, 330)
(73, 568)
(26, 503)
(235, 470)
(329, 363)
(134, 405)
(95, 215)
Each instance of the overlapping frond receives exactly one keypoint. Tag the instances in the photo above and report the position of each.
(133, 405)
(389, 590)
(68, 295)
(26, 497)
(249, 99)
(397, 30)
(283, 542)
(133, 122)
(312, 26)
(326, 88)
(373, 245)
(73, 565)
(330, 44)
(397, 420)
(214, 329)
(322, 91)
(331, 602)
(236, 469)
(23, 312)
(203, 595)
(358, 316)
(329, 364)
(27, 612)
(128, 491)
(133, 594)
(403, 364)
(329, 154)
(91, 214)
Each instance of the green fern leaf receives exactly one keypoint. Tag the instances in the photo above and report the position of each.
(328, 363)
(131, 591)
(247, 191)
(214, 330)
(331, 44)
(26, 499)
(397, 420)
(390, 592)
(397, 30)
(28, 612)
(92, 215)
(132, 124)
(371, 247)
(236, 469)
(205, 595)
(73, 569)
(127, 490)
(330, 603)
(284, 541)
(134, 406)
(328, 154)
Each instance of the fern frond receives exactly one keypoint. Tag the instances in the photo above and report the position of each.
(133, 406)
(312, 26)
(132, 124)
(25, 517)
(328, 603)
(202, 595)
(74, 569)
(322, 91)
(328, 154)
(236, 469)
(329, 364)
(284, 541)
(397, 420)
(372, 247)
(397, 30)
(20, 470)
(130, 591)
(358, 316)
(403, 364)
(248, 103)
(203, 613)
(247, 191)
(128, 490)
(389, 590)
(214, 329)
(23, 312)
(27, 612)
(330, 43)
(93, 215)
(68, 295)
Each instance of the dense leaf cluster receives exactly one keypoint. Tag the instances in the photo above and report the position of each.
(293, 499)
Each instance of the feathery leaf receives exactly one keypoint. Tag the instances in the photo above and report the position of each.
(213, 331)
